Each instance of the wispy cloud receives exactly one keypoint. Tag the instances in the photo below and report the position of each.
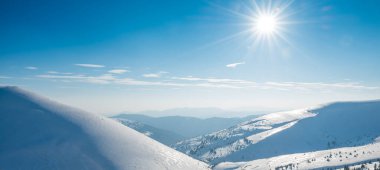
(209, 83)
(55, 72)
(90, 65)
(216, 80)
(102, 79)
(152, 75)
(31, 68)
(107, 79)
(319, 85)
(118, 71)
(155, 75)
(236, 83)
(4, 77)
(111, 79)
(234, 65)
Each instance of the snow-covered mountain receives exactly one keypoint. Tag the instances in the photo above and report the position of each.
(344, 124)
(188, 127)
(36, 133)
(164, 136)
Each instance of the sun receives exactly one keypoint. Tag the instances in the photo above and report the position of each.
(266, 24)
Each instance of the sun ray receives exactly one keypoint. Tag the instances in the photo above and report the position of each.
(264, 27)
(268, 23)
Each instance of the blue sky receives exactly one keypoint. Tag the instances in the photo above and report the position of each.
(113, 56)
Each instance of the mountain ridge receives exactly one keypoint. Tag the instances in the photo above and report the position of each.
(338, 124)
(186, 126)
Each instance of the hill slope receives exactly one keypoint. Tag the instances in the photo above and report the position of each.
(331, 126)
(37, 133)
(164, 136)
(186, 126)
(348, 157)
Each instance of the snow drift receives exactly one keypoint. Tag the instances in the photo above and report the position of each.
(36, 133)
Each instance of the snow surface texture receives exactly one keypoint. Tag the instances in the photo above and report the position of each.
(36, 133)
(333, 158)
(344, 124)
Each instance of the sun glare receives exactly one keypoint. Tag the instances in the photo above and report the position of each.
(265, 24)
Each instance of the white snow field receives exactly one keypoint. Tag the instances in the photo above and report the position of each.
(37, 133)
(333, 158)
(335, 125)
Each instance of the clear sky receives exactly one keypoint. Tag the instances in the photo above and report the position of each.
(113, 56)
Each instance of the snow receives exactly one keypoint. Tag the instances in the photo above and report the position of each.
(187, 127)
(366, 165)
(243, 143)
(333, 158)
(220, 145)
(163, 136)
(335, 125)
(263, 135)
(37, 133)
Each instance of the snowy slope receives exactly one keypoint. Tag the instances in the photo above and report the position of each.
(333, 158)
(188, 127)
(166, 137)
(221, 144)
(36, 133)
(336, 125)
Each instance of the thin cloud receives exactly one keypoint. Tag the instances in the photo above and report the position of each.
(152, 75)
(102, 79)
(111, 79)
(4, 77)
(215, 80)
(236, 83)
(90, 65)
(155, 75)
(320, 85)
(189, 78)
(107, 79)
(56, 72)
(209, 83)
(118, 71)
(31, 68)
(234, 65)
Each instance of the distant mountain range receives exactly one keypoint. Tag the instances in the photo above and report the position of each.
(179, 126)
(202, 113)
(164, 136)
